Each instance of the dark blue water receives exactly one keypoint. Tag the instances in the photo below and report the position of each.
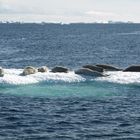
(77, 110)
(69, 45)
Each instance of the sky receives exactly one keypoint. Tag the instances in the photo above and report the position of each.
(68, 11)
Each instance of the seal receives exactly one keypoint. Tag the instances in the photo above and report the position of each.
(88, 72)
(108, 67)
(60, 69)
(94, 68)
(29, 70)
(1, 72)
(133, 68)
(42, 69)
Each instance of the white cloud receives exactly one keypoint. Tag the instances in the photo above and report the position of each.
(69, 10)
(100, 13)
(11, 8)
(21, 7)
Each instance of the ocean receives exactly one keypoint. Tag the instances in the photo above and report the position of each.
(68, 106)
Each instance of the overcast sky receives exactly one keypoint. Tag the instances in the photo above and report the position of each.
(69, 10)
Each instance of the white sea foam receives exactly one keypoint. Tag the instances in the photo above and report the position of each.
(121, 77)
(13, 77)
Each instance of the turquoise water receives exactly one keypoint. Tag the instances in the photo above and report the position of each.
(86, 89)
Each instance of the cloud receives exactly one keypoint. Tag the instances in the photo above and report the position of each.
(16, 7)
(30, 8)
(6, 8)
(68, 10)
(100, 13)
(3, 8)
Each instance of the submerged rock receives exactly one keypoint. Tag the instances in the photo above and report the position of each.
(88, 72)
(108, 67)
(94, 68)
(60, 69)
(1, 72)
(134, 68)
(42, 69)
(29, 70)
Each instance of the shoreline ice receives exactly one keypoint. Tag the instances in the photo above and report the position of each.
(13, 77)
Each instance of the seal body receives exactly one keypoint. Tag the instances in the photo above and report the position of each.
(88, 72)
(134, 68)
(29, 70)
(60, 69)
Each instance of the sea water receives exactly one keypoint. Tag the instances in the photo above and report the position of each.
(66, 105)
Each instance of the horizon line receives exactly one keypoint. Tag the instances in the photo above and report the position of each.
(44, 22)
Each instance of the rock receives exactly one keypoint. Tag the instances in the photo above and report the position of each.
(108, 67)
(59, 69)
(42, 69)
(94, 68)
(29, 70)
(134, 68)
(1, 72)
(88, 72)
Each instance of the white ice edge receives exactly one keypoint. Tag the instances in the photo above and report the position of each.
(121, 77)
(13, 77)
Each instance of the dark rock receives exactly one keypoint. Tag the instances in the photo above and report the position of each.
(60, 69)
(134, 68)
(94, 68)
